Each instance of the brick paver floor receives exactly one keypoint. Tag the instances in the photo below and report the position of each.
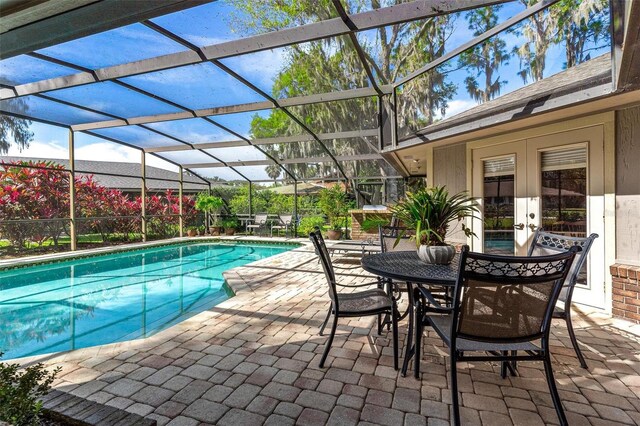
(254, 360)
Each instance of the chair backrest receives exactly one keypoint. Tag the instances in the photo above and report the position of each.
(546, 243)
(285, 219)
(321, 250)
(389, 235)
(507, 298)
(260, 218)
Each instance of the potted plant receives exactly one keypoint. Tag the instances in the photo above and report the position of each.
(192, 231)
(230, 225)
(201, 231)
(333, 203)
(210, 204)
(430, 211)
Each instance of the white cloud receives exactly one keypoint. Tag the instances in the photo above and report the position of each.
(455, 107)
(99, 151)
(261, 68)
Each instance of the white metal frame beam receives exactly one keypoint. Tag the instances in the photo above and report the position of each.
(269, 141)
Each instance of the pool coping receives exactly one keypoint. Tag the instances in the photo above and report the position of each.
(11, 264)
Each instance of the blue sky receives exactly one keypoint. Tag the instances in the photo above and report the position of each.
(194, 86)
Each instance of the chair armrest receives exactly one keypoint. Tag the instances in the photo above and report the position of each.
(434, 305)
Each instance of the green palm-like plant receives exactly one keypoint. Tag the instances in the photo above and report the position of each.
(209, 204)
(431, 210)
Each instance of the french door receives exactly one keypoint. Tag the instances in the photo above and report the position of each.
(553, 181)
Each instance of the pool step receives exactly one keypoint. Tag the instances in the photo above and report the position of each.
(76, 411)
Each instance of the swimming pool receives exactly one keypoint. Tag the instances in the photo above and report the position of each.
(115, 297)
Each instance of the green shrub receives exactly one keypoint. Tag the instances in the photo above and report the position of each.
(308, 223)
(371, 225)
(20, 392)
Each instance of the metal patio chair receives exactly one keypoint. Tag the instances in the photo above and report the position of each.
(284, 222)
(545, 243)
(502, 307)
(259, 223)
(358, 304)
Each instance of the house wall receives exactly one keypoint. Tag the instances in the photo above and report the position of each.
(626, 272)
(446, 166)
(450, 169)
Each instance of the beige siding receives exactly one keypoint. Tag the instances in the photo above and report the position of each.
(628, 186)
(450, 169)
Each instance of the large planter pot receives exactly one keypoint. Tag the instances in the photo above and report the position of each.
(230, 231)
(438, 255)
(332, 234)
(215, 230)
(192, 232)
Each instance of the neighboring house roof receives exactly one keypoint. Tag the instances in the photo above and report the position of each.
(555, 91)
(131, 174)
(303, 188)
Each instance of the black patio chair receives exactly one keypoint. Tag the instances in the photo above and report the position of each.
(259, 223)
(358, 304)
(545, 243)
(502, 308)
(284, 223)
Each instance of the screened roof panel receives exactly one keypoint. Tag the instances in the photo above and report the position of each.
(118, 46)
(352, 146)
(24, 69)
(268, 123)
(136, 136)
(222, 173)
(195, 86)
(224, 20)
(193, 130)
(44, 109)
(466, 74)
(419, 42)
(314, 66)
(290, 150)
(314, 170)
(239, 153)
(254, 172)
(338, 116)
(188, 157)
(364, 168)
(111, 98)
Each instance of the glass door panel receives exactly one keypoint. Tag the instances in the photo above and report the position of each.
(566, 197)
(498, 205)
(500, 188)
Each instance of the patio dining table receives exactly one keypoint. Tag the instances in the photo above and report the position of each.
(406, 266)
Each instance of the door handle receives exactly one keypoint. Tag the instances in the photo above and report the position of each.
(532, 227)
(519, 226)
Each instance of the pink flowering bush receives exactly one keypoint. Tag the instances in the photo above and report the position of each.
(34, 206)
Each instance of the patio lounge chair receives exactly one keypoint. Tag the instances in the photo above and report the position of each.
(545, 243)
(284, 222)
(358, 304)
(259, 223)
(502, 306)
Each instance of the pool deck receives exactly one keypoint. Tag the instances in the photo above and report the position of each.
(253, 359)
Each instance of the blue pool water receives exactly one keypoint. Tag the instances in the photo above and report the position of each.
(115, 297)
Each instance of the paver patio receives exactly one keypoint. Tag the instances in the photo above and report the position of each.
(254, 360)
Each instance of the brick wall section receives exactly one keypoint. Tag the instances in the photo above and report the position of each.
(626, 291)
